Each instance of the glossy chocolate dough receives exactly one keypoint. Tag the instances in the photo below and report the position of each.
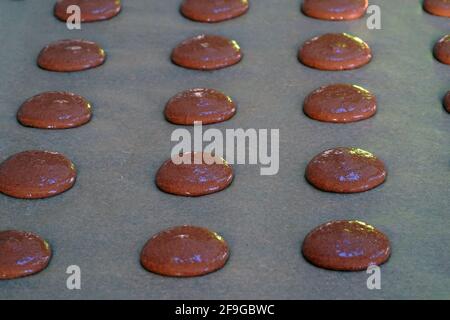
(185, 251)
(201, 104)
(91, 10)
(345, 170)
(22, 254)
(442, 50)
(213, 10)
(347, 245)
(71, 55)
(335, 51)
(335, 9)
(36, 174)
(207, 52)
(340, 103)
(55, 110)
(194, 179)
(437, 7)
(447, 101)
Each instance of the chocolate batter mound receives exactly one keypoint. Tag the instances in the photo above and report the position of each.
(345, 170)
(340, 103)
(211, 174)
(335, 9)
(22, 254)
(437, 7)
(442, 49)
(207, 52)
(185, 251)
(447, 101)
(347, 245)
(335, 51)
(36, 174)
(71, 55)
(200, 104)
(91, 10)
(213, 10)
(54, 110)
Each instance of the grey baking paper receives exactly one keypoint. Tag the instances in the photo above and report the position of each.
(103, 222)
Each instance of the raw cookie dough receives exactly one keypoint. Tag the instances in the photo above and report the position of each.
(347, 245)
(207, 52)
(71, 55)
(340, 103)
(36, 174)
(185, 251)
(213, 10)
(200, 104)
(22, 254)
(91, 10)
(345, 170)
(210, 174)
(55, 110)
(335, 9)
(335, 51)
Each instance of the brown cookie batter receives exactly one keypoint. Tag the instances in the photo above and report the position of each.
(185, 251)
(207, 52)
(345, 170)
(36, 174)
(91, 10)
(213, 10)
(442, 49)
(55, 110)
(335, 51)
(340, 103)
(447, 101)
(347, 245)
(200, 104)
(194, 179)
(335, 9)
(71, 55)
(437, 7)
(22, 254)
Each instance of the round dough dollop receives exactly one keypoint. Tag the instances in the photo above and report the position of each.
(200, 104)
(345, 170)
(335, 51)
(71, 55)
(340, 103)
(91, 10)
(447, 101)
(442, 49)
(55, 110)
(185, 251)
(207, 52)
(346, 245)
(213, 10)
(200, 174)
(335, 9)
(437, 7)
(22, 254)
(36, 174)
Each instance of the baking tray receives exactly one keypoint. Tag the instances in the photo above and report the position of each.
(103, 222)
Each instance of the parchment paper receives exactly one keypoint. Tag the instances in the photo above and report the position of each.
(103, 222)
